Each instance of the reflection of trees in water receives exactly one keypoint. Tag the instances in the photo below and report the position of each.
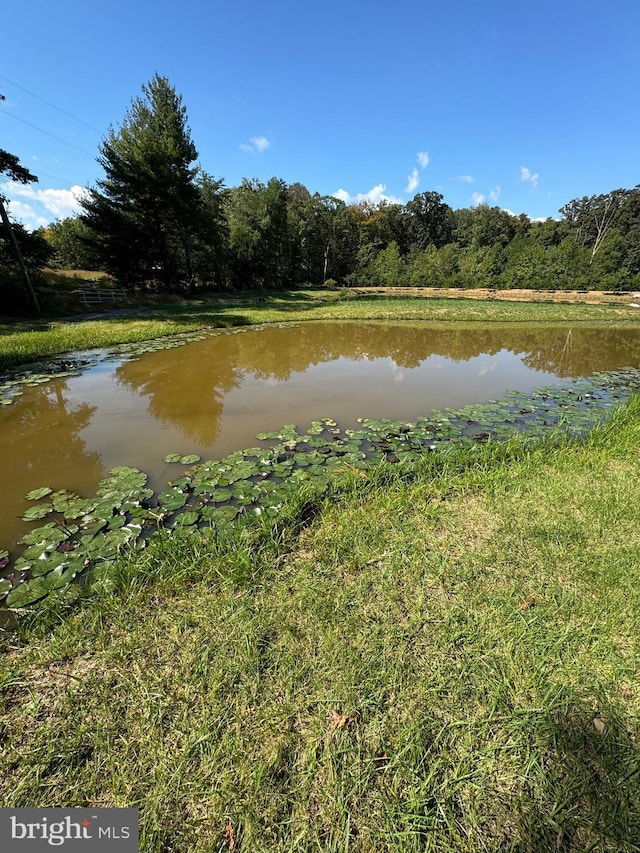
(554, 349)
(42, 425)
(39, 439)
(187, 386)
(580, 352)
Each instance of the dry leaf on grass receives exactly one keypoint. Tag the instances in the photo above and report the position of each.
(525, 605)
(600, 724)
(230, 837)
(341, 721)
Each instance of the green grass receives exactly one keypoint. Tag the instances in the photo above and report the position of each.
(478, 619)
(21, 342)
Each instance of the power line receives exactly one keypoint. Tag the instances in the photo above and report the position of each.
(65, 181)
(44, 101)
(42, 130)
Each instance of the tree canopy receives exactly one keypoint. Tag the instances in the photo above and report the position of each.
(157, 218)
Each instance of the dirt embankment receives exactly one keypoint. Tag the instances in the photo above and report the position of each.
(588, 297)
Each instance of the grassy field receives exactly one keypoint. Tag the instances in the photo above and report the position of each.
(24, 342)
(437, 659)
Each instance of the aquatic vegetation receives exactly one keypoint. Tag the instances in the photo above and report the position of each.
(85, 535)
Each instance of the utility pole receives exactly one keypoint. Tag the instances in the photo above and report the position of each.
(10, 165)
(25, 272)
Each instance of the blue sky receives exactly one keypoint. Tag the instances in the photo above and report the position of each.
(521, 105)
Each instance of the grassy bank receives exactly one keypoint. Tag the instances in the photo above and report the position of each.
(21, 343)
(445, 661)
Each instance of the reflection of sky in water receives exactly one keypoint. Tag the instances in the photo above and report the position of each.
(345, 389)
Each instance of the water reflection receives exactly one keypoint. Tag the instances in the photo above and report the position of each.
(309, 370)
(213, 396)
(40, 441)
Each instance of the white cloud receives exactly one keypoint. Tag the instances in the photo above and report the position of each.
(525, 175)
(42, 205)
(257, 146)
(513, 213)
(494, 194)
(423, 159)
(25, 213)
(412, 181)
(466, 179)
(478, 199)
(343, 195)
(375, 196)
(261, 143)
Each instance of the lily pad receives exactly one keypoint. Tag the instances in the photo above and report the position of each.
(172, 500)
(37, 494)
(38, 588)
(227, 512)
(34, 513)
(51, 561)
(51, 533)
(205, 487)
(93, 527)
(186, 519)
(243, 471)
(63, 500)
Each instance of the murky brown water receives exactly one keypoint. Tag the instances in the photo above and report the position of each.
(213, 396)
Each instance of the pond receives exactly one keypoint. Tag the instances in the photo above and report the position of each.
(212, 396)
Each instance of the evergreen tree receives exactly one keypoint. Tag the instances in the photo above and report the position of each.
(148, 214)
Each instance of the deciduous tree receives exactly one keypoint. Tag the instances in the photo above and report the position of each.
(69, 240)
(592, 217)
(429, 221)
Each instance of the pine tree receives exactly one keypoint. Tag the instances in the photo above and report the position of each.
(147, 215)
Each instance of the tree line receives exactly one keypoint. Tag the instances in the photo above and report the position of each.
(158, 219)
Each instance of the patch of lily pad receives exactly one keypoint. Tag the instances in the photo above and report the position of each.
(81, 536)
